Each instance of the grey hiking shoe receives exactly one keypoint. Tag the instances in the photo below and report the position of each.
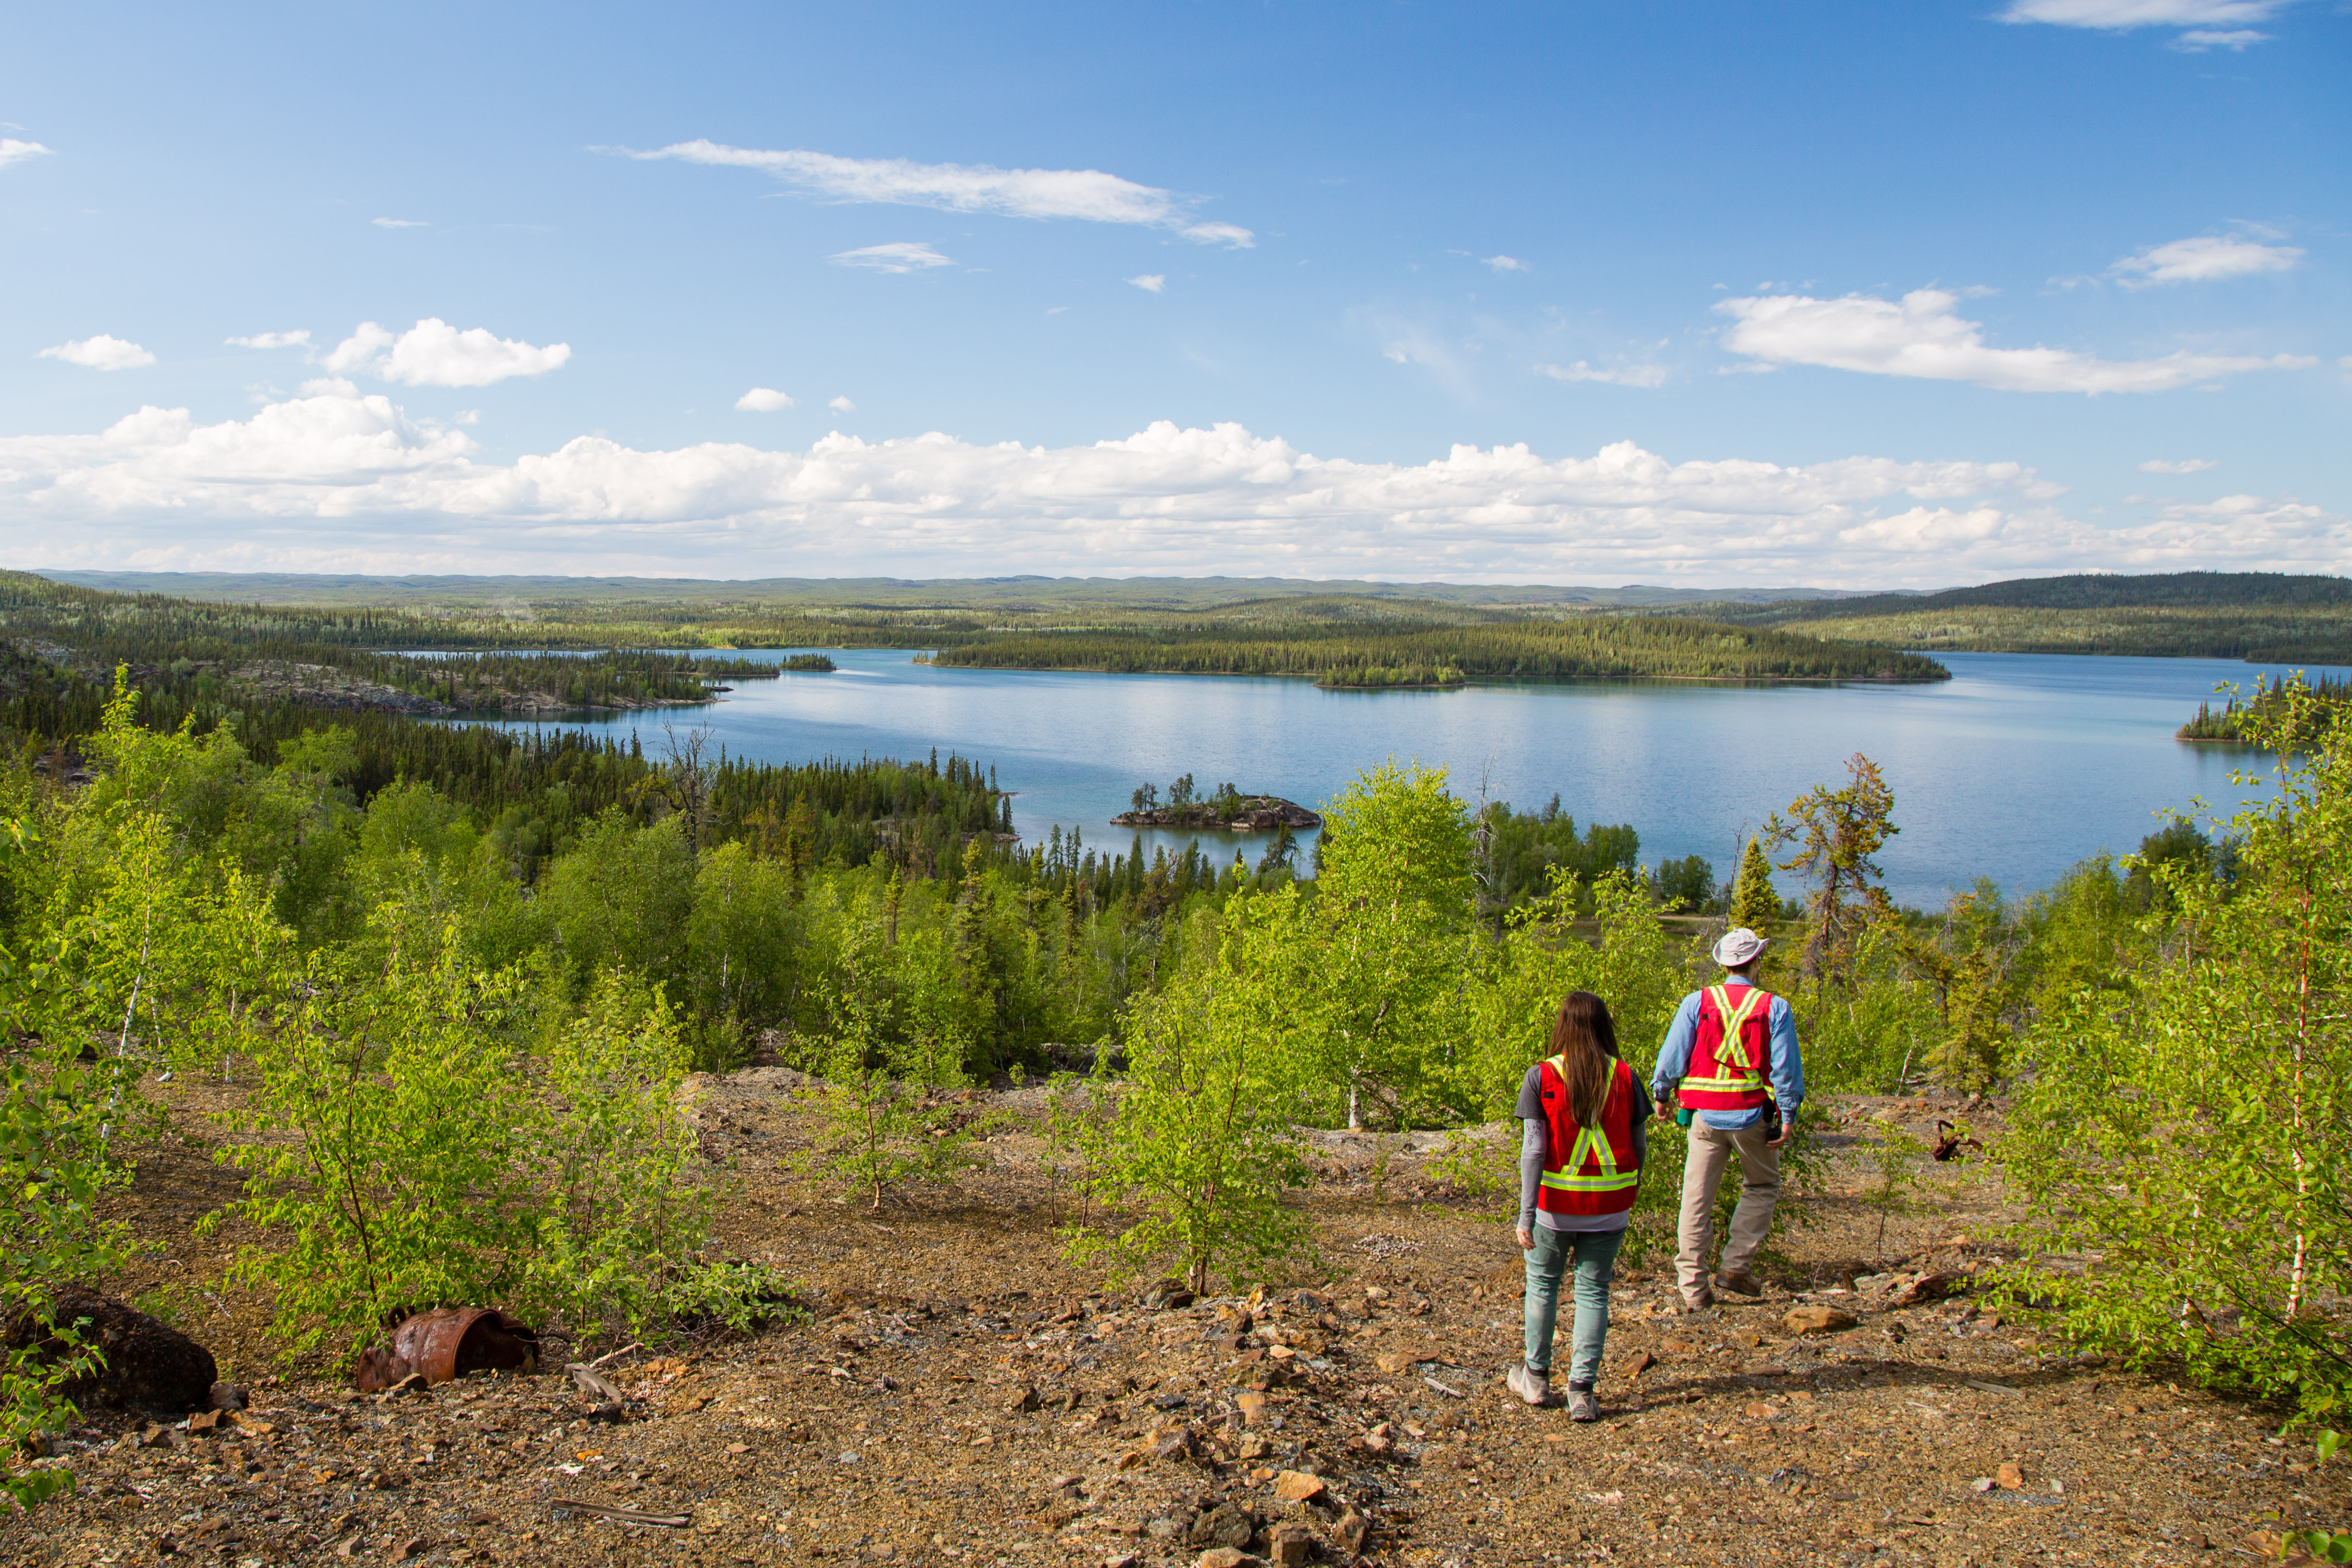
(1582, 1406)
(1528, 1385)
(1739, 1282)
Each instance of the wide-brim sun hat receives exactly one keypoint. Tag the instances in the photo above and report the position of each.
(1740, 945)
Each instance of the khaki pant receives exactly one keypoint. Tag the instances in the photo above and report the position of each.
(1760, 1163)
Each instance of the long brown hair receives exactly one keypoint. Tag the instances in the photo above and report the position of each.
(1585, 1040)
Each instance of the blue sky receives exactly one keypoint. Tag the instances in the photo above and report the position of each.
(1273, 288)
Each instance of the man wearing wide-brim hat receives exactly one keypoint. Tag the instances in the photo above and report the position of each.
(1731, 1068)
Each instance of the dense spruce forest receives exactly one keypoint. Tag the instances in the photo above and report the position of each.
(2255, 720)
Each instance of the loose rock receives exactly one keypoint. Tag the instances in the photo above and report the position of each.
(1818, 1321)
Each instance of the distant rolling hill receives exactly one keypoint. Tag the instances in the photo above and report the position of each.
(2265, 617)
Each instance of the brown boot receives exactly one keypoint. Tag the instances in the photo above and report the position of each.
(1739, 1282)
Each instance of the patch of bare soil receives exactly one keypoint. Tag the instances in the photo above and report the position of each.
(961, 1396)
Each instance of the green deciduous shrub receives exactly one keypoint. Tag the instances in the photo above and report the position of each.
(59, 1152)
(2184, 1146)
(1201, 1143)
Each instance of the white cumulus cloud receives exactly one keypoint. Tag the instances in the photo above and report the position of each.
(101, 352)
(1084, 194)
(1150, 282)
(1923, 335)
(339, 480)
(273, 340)
(900, 256)
(1506, 263)
(2203, 259)
(435, 353)
(2181, 466)
(762, 400)
(842, 406)
(12, 151)
(1623, 375)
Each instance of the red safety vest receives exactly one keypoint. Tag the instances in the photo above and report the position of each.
(1593, 1170)
(1728, 1050)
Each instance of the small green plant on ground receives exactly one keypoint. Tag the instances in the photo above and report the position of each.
(878, 1095)
(1894, 1181)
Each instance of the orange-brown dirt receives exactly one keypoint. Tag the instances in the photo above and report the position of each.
(962, 1396)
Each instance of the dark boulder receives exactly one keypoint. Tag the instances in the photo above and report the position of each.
(150, 1365)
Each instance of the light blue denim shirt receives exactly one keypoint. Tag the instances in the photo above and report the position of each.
(1785, 1067)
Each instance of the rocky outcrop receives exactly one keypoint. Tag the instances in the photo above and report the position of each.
(150, 1365)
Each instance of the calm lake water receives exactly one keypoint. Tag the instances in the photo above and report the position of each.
(2017, 767)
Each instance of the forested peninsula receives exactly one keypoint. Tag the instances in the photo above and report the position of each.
(1396, 651)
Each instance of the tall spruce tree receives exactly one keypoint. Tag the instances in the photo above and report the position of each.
(1755, 902)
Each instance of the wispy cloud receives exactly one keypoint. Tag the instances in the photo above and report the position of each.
(294, 339)
(2197, 40)
(1922, 335)
(1150, 282)
(1088, 194)
(1505, 263)
(900, 256)
(12, 151)
(842, 406)
(2209, 24)
(2121, 15)
(762, 400)
(101, 352)
(435, 353)
(2203, 259)
(2180, 465)
(1622, 375)
(341, 480)
(400, 223)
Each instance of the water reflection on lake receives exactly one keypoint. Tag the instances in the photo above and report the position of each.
(2015, 769)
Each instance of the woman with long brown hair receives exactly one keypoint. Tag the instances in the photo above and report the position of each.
(1585, 1117)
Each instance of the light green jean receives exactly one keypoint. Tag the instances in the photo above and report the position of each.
(1592, 1254)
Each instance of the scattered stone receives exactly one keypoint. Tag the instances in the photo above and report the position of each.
(1350, 1533)
(1290, 1545)
(1223, 1525)
(1817, 1320)
(1225, 1557)
(1932, 1288)
(1250, 1404)
(229, 1397)
(1297, 1486)
(1023, 1399)
(204, 1423)
(1181, 1444)
(1643, 1361)
(2008, 1478)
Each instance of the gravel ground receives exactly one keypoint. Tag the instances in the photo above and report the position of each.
(960, 1395)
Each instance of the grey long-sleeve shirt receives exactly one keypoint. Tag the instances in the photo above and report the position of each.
(1534, 1150)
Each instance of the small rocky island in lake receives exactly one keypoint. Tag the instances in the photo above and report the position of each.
(1225, 809)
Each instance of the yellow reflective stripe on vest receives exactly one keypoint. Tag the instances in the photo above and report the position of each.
(1607, 1179)
(1729, 1053)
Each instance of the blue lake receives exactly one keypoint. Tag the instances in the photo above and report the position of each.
(2015, 769)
